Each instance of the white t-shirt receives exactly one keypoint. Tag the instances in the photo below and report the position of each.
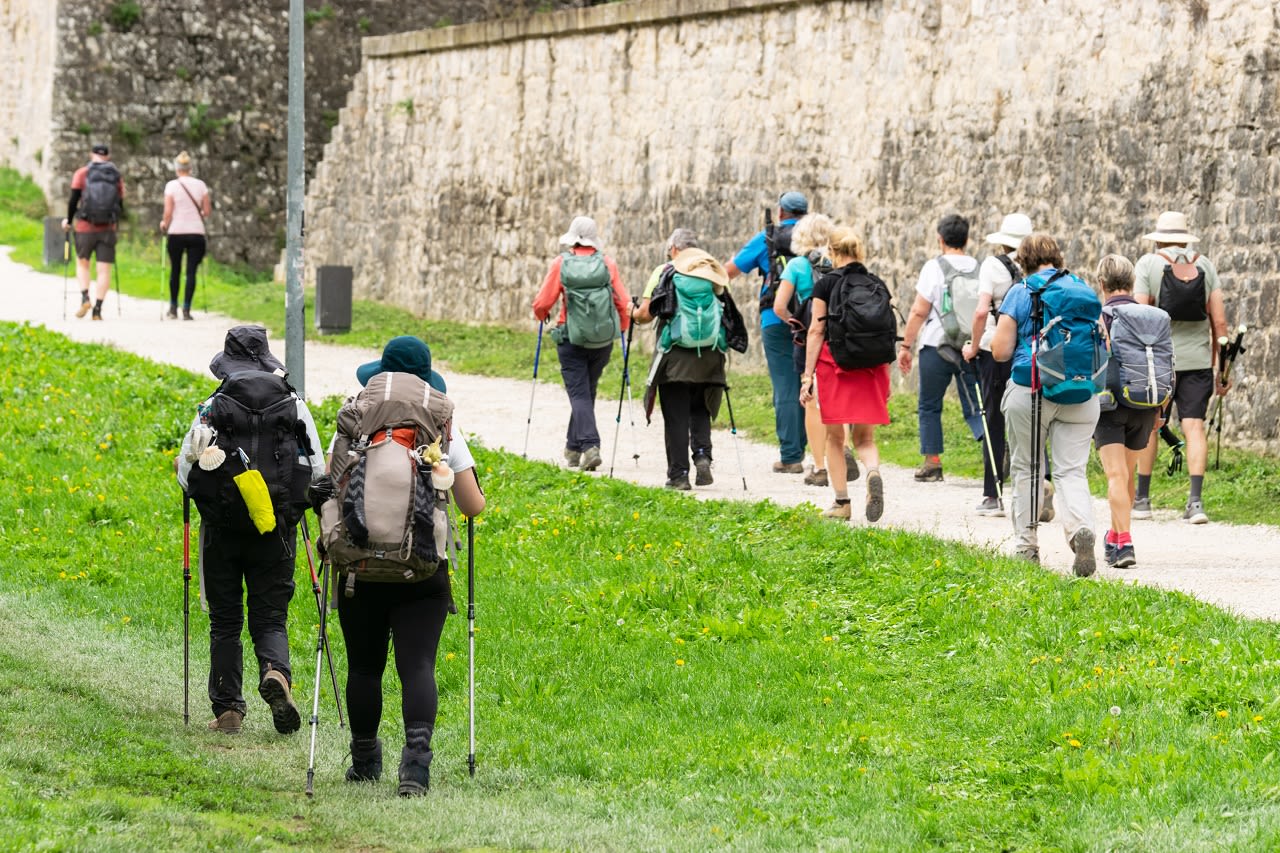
(930, 286)
(186, 215)
(993, 278)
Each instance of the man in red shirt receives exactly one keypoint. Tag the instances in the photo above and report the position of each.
(96, 205)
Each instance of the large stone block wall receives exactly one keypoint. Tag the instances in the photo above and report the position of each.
(462, 153)
(28, 42)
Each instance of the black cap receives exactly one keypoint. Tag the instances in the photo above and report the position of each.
(100, 148)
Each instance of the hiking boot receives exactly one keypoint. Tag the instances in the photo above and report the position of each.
(1121, 556)
(572, 458)
(415, 761)
(1194, 513)
(172, 313)
(97, 315)
(929, 472)
(788, 467)
(1030, 554)
(875, 495)
(1082, 545)
(366, 760)
(186, 314)
(702, 464)
(1141, 509)
(591, 459)
(1046, 508)
(1109, 552)
(992, 507)
(839, 510)
(817, 477)
(851, 472)
(274, 690)
(84, 308)
(228, 722)
(680, 483)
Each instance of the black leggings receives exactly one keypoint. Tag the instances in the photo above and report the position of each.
(412, 617)
(193, 245)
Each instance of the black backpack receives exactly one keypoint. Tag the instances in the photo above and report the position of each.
(1182, 293)
(254, 413)
(100, 198)
(862, 329)
(777, 242)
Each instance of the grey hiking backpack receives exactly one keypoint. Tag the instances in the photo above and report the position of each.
(959, 302)
(1140, 373)
(100, 202)
(386, 521)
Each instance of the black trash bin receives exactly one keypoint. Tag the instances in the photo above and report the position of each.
(333, 299)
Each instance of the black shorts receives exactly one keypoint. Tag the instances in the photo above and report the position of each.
(101, 243)
(1192, 391)
(1132, 427)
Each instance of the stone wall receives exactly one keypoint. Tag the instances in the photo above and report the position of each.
(28, 41)
(462, 153)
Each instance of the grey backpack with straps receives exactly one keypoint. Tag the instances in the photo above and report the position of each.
(1140, 373)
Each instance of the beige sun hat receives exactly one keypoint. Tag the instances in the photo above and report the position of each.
(1015, 228)
(582, 232)
(1171, 227)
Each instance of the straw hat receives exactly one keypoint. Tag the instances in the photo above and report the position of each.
(1015, 228)
(1171, 227)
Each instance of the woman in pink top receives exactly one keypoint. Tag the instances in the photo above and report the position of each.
(186, 207)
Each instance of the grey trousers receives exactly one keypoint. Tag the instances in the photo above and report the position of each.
(1069, 431)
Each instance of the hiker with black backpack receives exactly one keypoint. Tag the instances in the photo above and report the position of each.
(810, 242)
(941, 328)
(247, 462)
(689, 366)
(1184, 284)
(1139, 382)
(596, 309)
(767, 253)
(395, 460)
(997, 274)
(851, 345)
(187, 206)
(1050, 326)
(94, 209)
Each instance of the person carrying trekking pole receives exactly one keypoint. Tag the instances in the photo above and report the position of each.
(94, 209)
(1183, 283)
(596, 309)
(1139, 382)
(247, 461)
(689, 366)
(187, 204)
(395, 459)
(1059, 355)
(850, 347)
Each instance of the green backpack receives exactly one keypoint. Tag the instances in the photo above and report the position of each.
(697, 322)
(591, 317)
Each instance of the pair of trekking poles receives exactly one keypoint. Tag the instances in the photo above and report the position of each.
(624, 392)
(320, 589)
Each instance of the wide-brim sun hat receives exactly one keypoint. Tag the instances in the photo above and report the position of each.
(582, 232)
(1014, 228)
(1171, 227)
(245, 348)
(405, 354)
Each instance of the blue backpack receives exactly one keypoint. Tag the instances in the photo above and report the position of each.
(1068, 346)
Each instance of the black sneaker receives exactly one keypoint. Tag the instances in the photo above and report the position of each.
(680, 483)
(274, 690)
(1122, 556)
(702, 464)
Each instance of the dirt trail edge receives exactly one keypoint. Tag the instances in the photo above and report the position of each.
(1236, 567)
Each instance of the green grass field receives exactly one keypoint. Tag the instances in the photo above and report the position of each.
(654, 673)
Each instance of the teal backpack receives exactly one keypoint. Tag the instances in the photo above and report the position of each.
(591, 318)
(697, 322)
(1068, 350)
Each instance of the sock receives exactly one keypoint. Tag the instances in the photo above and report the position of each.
(84, 296)
(1112, 538)
(1123, 539)
(934, 458)
(97, 305)
(1144, 486)
(842, 500)
(1197, 484)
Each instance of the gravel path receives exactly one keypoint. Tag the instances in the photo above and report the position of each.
(1236, 567)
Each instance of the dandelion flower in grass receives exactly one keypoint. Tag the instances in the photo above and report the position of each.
(126, 620)
(1097, 670)
(828, 639)
(706, 630)
(617, 556)
(555, 531)
(1257, 718)
(1067, 735)
(679, 641)
(1073, 743)
(1223, 713)
(63, 575)
(679, 661)
(450, 656)
(635, 516)
(648, 545)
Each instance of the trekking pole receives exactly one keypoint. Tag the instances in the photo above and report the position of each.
(321, 645)
(471, 642)
(528, 424)
(116, 269)
(622, 392)
(66, 261)
(186, 608)
(1036, 412)
(1227, 358)
(986, 436)
(733, 430)
(320, 607)
(164, 279)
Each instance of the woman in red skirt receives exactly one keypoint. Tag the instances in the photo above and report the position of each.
(859, 398)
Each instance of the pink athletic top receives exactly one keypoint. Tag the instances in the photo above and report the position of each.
(186, 216)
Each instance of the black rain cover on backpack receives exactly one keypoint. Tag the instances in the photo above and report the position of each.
(100, 198)
(862, 329)
(255, 412)
(1182, 289)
